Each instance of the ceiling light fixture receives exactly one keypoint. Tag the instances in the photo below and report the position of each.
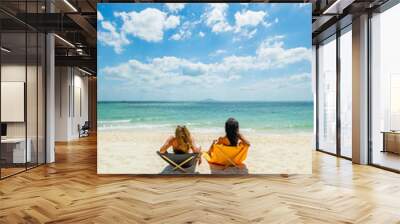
(65, 41)
(70, 5)
(84, 71)
(5, 50)
(337, 7)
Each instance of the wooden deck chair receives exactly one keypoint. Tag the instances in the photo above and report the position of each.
(180, 161)
(227, 155)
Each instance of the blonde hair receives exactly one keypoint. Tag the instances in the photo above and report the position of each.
(183, 138)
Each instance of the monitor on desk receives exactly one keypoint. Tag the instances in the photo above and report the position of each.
(3, 130)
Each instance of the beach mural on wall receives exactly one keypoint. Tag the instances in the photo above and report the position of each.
(204, 88)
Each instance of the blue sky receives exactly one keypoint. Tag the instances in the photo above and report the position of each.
(230, 52)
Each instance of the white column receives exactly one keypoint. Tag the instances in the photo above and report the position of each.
(62, 103)
(360, 90)
(50, 99)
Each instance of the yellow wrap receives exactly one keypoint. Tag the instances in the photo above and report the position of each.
(224, 155)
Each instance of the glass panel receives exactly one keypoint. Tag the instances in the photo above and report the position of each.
(31, 97)
(23, 89)
(32, 87)
(346, 93)
(327, 95)
(386, 89)
(41, 98)
(13, 86)
(314, 89)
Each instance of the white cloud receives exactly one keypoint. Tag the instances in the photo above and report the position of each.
(181, 35)
(201, 34)
(172, 22)
(164, 72)
(175, 7)
(185, 31)
(287, 81)
(245, 23)
(248, 18)
(302, 5)
(111, 37)
(167, 71)
(218, 52)
(215, 17)
(272, 52)
(176, 36)
(99, 16)
(148, 24)
(248, 34)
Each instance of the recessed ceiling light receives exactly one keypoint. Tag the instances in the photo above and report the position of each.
(64, 40)
(84, 71)
(337, 7)
(70, 5)
(5, 50)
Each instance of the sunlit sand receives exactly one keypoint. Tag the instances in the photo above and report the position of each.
(134, 152)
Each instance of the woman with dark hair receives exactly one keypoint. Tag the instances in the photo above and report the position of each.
(232, 135)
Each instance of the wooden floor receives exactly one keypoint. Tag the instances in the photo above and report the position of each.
(69, 191)
(387, 159)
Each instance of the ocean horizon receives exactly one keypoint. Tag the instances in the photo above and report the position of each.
(206, 115)
(205, 100)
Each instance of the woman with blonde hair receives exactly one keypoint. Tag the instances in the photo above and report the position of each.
(181, 143)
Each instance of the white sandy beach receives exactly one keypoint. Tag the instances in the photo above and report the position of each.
(134, 152)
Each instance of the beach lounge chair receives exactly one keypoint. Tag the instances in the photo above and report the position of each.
(227, 155)
(180, 162)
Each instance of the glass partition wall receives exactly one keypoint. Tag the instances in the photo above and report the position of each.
(334, 82)
(13, 110)
(327, 95)
(345, 62)
(22, 77)
(334, 95)
(385, 89)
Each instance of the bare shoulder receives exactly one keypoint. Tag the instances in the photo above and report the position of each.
(244, 140)
(223, 140)
(171, 138)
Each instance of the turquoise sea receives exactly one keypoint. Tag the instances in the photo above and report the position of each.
(207, 116)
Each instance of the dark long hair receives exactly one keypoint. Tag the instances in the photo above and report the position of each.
(232, 131)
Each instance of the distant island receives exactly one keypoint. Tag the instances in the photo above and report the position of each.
(209, 100)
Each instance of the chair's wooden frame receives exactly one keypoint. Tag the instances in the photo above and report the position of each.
(179, 166)
(229, 159)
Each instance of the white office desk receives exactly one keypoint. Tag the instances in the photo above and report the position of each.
(18, 149)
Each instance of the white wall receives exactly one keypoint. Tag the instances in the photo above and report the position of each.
(70, 83)
(62, 81)
(81, 89)
(10, 73)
